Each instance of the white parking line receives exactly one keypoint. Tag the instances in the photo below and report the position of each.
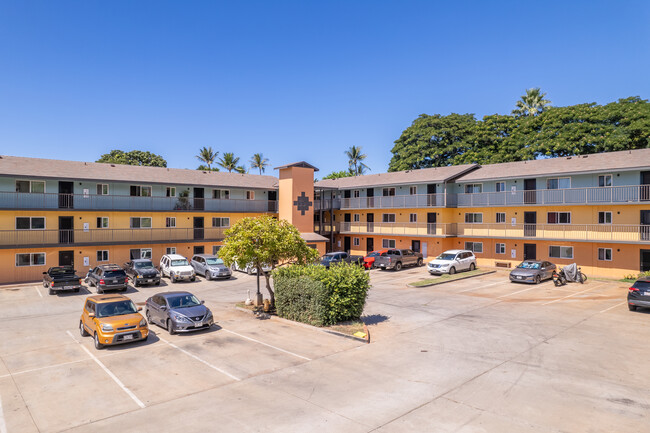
(39, 292)
(569, 296)
(109, 372)
(3, 426)
(199, 359)
(518, 291)
(613, 306)
(480, 287)
(268, 345)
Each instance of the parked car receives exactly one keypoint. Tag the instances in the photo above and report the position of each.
(249, 268)
(639, 294)
(112, 319)
(210, 266)
(452, 261)
(61, 278)
(396, 259)
(369, 260)
(176, 267)
(107, 277)
(178, 312)
(142, 271)
(330, 259)
(532, 271)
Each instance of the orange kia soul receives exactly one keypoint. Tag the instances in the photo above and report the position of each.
(112, 319)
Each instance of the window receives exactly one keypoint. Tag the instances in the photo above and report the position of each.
(476, 247)
(221, 222)
(170, 222)
(558, 183)
(250, 195)
(140, 222)
(102, 255)
(500, 248)
(170, 250)
(356, 242)
(387, 192)
(500, 186)
(102, 189)
(30, 259)
(356, 217)
(473, 188)
(140, 191)
(102, 222)
(501, 217)
(215, 250)
(30, 223)
(604, 217)
(221, 194)
(605, 254)
(560, 252)
(413, 190)
(605, 180)
(388, 243)
(170, 191)
(473, 218)
(413, 218)
(559, 217)
(34, 186)
(388, 218)
(356, 193)
(140, 253)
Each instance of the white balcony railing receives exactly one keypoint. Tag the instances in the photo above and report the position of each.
(395, 201)
(398, 229)
(569, 232)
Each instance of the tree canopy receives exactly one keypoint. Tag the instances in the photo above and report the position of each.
(134, 157)
(258, 161)
(229, 162)
(532, 103)
(339, 174)
(207, 155)
(437, 140)
(355, 160)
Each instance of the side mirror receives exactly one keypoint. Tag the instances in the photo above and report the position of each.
(202, 302)
(139, 308)
(91, 315)
(44, 273)
(163, 307)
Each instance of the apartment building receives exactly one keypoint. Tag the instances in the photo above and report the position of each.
(593, 210)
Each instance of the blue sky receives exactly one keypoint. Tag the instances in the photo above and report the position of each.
(295, 80)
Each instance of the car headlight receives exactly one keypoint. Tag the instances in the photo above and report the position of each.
(107, 328)
(208, 315)
(138, 276)
(172, 272)
(180, 318)
(142, 323)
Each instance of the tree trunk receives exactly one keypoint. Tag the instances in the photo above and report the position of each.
(270, 290)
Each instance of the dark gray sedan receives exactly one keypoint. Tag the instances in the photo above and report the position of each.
(532, 271)
(178, 312)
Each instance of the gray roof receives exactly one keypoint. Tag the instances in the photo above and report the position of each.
(75, 170)
(626, 160)
(302, 164)
(313, 237)
(423, 175)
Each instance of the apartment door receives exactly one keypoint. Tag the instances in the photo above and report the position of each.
(199, 249)
(530, 195)
(346, 244)
(530, 223)
(431, 223)
(273, 204)
(370, 222)
(347, 220)
(645, 260)
(66, 196)
(530, 252)
(370, 194)
(66, 230)
(198, 228)
(415, 246)
(66, 258)
(645, 225)
(370, 244)
(431, 197)
(199, 199)
(645, 186)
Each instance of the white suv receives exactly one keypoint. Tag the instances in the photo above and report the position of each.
(176, 267)
(452, 261)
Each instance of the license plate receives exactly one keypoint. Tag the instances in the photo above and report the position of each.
(198, 324)
(382, 266)
(70, 288)
(128, 337)
(520, 278)
(114, 281)
(147, 281)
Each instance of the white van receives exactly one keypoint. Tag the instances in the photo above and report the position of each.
(176, 267)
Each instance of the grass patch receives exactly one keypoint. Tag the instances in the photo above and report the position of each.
(349, 327)
(446, 277)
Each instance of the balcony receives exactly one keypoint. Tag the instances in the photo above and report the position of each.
(327, 204)
(395, 201)
(398, 229)
(569, 196)
(569, 232)
(16, 200)
(45, 238)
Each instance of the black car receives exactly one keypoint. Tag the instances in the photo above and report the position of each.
(142, 271)
(108, 277)
(639, 294)
(178, 312)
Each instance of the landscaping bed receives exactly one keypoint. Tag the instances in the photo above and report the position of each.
(445, 278)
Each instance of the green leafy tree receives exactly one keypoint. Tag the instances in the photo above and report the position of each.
(532, 103)
(134, 157)
(241, 169)
(258, 161)
(339, 174)
(207, 155)
(206, 168)
(263, 241)
(229, 161)
(355, 160)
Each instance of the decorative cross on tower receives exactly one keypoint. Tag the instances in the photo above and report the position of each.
(302, 203)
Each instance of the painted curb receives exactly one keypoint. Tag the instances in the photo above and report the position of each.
(451, 281)
(307, 326)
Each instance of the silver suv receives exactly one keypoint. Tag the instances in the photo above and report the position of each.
(210, 266)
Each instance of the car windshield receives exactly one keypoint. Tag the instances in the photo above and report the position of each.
(183, 301)
(61, 271)
(116, 308)
(529, 265)
(642, 285)
(143, 265)
(179, 262)
(327, 258)
(373, 254)
(444, 256)
(114, 274)
(214, 261)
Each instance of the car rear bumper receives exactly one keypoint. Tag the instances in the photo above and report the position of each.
(112, 286)
(66, 288)
(638, 302)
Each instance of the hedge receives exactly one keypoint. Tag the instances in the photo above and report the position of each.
(340, 295)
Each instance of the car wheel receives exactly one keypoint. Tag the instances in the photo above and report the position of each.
(452, 270)
(98, 345)
(158, 283)
(193, 279)
(50, 291)
(76, 290)
(82, 329)
(420, 262)
(398, 266)
(631, 307)
(173, 280)
(170, 327)
(538, 279)
(100, 290)
(135, 283)
(472, 266)
(207, 276)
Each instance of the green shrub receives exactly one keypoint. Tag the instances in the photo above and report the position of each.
(345, 288)
(302, 299)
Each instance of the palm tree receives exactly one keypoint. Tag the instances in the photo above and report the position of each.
(241, 169)
(258, 161)
(229, 161)
(532, 103)
(207, 155)
(355, 157)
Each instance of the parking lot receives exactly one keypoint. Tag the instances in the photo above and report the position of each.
(480, 354)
